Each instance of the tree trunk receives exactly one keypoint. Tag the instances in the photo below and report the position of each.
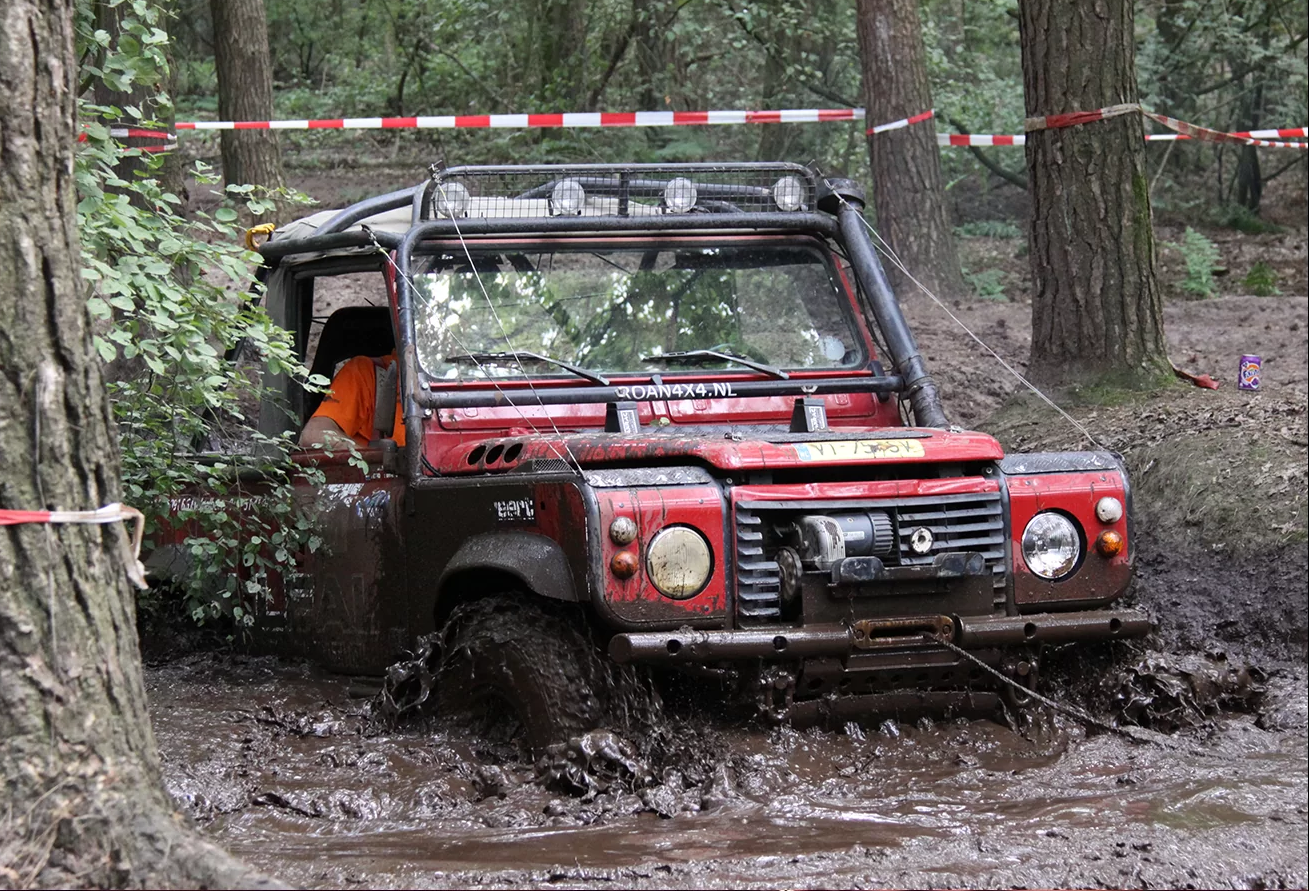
(907, 189)
(1096, 310)
(85, 803)
(245, 92)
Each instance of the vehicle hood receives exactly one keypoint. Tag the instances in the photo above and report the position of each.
(728, 449)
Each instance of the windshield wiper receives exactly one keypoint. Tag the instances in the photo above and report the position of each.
(520, 355)
(695, 357)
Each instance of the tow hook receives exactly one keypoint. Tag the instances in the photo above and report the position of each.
(776, 693)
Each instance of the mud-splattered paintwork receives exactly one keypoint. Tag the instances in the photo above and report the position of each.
(499, 500)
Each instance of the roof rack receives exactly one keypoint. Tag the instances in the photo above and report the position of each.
(559, 198)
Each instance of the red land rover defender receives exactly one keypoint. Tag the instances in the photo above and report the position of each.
(668, 414)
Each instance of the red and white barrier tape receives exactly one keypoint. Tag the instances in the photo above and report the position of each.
(702, 118)
(110, 513)
(566, 119)
(900, 124)
(1021, 139)
(169, 139)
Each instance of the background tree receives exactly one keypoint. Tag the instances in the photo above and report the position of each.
(245, 92)
(79, 760)
(1097, 310)
(907, 188)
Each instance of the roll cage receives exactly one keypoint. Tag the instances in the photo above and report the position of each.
(620, 199)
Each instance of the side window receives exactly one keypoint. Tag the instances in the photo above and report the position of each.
(350, 317)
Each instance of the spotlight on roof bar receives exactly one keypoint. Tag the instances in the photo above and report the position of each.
(450, 200)
(567, 198)
(789, 193)
(679, 195)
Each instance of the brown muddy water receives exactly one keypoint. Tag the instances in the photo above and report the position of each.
(283, 766)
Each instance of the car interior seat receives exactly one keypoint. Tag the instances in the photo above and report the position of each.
(350, 331)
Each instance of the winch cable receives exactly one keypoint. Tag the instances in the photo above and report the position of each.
(386, 255)
(1072, 712)
(504, 332)
(887, 251)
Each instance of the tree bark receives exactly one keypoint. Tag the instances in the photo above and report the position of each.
(245, 92)
(1096, 310)
(84, 802)
(907, 190)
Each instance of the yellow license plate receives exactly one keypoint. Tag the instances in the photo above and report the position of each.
(859, 450)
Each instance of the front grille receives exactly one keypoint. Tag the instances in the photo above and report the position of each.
(958, 523)
(758, 580)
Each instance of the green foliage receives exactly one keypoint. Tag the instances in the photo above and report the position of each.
(987, 284)
(168, 297)
(1242, 219)
(1261, 280)
(988, 229)
(1201, 258)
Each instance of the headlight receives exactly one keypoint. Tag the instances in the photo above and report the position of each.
(567, 198)
(679, 562)
(679, 195)
(450, 200)
(1051, 545)
(789, 193)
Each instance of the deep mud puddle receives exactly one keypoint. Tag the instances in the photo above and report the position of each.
(282, 766)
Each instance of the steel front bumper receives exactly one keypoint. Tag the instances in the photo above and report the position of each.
(689, 646)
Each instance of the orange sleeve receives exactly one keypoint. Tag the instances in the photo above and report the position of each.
(350, 402)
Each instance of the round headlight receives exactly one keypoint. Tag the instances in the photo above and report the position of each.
(679, 195)
(679, 562)
(450, 200)
(567, 198)
(789, 193)
(1051, 545)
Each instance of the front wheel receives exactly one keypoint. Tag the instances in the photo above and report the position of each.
(511, 655)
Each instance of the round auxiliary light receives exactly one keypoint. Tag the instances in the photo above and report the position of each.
(450, 200)
(1051, 545)
(567, 198)
(1109, 510)
(679, 562)
(789, 193)
(622, 530)
(623, 565)
(679, 195)
(1109, 543)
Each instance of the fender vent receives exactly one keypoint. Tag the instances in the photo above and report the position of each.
(758, 580)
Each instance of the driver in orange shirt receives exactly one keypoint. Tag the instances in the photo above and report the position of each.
(346, 412)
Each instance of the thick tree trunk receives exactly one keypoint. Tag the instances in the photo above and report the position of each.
(85, 805)
(907, 189)
(1096, 310)
(245, 92)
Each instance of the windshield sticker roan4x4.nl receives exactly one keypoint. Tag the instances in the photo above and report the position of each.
(859, 449)
(697, 390)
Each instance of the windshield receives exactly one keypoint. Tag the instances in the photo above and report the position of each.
(641, 310)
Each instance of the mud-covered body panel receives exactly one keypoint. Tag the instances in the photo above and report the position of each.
(819, 533)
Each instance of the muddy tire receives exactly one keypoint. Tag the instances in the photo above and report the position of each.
(516, 655)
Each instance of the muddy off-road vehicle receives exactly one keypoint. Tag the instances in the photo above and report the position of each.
(667, 415)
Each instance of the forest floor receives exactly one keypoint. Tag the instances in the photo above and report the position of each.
(285, 766)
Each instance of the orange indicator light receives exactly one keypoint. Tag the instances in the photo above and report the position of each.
(623, 564)
(1109, 543)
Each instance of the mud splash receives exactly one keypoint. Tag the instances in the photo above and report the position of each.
(280, 764)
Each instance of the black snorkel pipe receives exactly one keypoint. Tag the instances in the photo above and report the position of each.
(845, 198)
